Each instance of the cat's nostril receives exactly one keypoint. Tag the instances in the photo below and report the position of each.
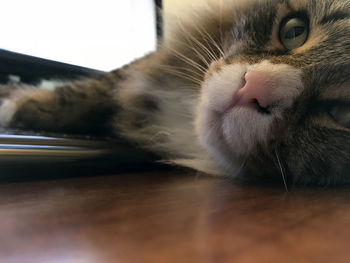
(243, 81)
(264, 110)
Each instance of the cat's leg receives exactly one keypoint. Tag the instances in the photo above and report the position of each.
(79, 107)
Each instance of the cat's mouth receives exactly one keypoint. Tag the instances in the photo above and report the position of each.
(260, 109)
(255, 106)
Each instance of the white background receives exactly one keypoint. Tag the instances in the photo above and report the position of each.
(99, 34)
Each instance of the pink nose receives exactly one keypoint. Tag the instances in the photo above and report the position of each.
(257, 89)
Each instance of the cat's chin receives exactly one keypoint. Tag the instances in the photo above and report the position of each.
(243, 128)
(232, 135)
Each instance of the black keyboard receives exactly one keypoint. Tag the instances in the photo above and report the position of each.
(18, 145)
(28, 153)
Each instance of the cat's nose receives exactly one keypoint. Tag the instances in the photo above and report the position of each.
(255, 91)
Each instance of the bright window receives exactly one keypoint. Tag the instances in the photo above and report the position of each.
(98, 34)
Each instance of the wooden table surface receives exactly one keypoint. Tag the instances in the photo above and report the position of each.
(171, 217)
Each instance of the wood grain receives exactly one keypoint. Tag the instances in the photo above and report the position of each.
(171, 217)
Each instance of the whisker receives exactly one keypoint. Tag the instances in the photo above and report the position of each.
(212, 41)
(203, 47)
(185, 59)
(182, 74)
(208, 40)
(199, 75)
(221, 38)
(282, 172)
(200, 55)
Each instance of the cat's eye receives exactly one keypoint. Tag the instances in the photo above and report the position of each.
(294, 31)
(341, 114)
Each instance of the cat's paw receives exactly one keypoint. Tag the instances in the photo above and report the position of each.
(8, 109)
(25, 108)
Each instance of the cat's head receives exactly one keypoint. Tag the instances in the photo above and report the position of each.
(277, 94)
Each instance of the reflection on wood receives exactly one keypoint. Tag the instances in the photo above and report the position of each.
(171, 217)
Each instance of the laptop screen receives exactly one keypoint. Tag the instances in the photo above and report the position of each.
(97, 34)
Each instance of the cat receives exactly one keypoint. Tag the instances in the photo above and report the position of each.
(250, 89)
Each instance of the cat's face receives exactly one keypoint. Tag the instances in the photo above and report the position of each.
(279, 95)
